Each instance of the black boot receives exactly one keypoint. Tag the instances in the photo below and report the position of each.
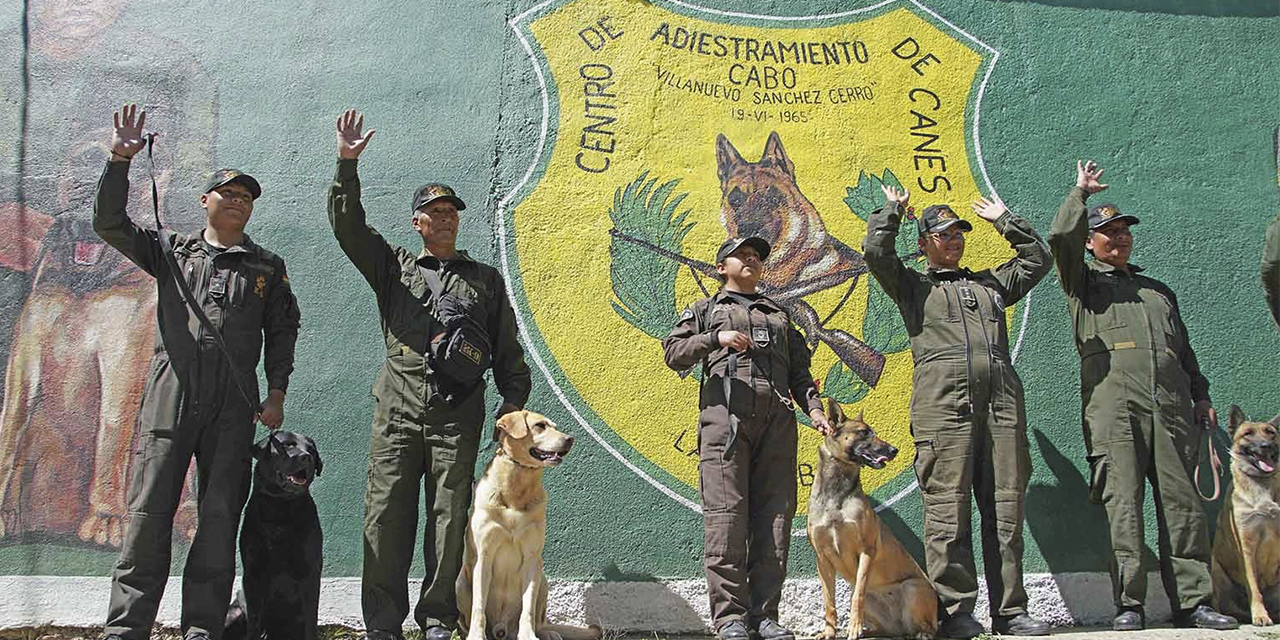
(1203, 617)
(768, 629)
(732, 630)
(1129, 619)
(960, 626)
(1019, 625)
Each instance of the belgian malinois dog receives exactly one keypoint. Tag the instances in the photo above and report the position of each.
(891, 595)
(1246, 551)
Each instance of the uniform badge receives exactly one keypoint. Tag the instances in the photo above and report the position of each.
(970, 300)
(260, 287)
(688, 313)
(946, 214)
(760, 335)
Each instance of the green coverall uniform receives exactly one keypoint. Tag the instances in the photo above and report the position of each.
(417, 434)
(1138, 379)
(968, 418)
(747, 468)
(191, 406)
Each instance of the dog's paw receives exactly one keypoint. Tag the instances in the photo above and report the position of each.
(1262, 619)
(103, 529)
(828, 633)
(857, 631)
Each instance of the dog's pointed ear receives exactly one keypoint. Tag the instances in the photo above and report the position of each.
(1235, 419)
(1275, 422)
(860, 418)
(727, 157)
(515, 424)
(775, 156)
(835, 414)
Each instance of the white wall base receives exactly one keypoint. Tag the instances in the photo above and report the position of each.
(669, 606)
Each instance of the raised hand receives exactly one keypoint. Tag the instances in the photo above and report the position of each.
(126, 137)
(1087, 175)
(894, 195)
(989, 210)
(350, 141)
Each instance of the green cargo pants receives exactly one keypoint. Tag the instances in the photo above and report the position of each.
(985, 453)
(1122, 457)
(439, 445)
(217, 428)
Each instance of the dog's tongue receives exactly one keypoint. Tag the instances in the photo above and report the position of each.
(1265, 466)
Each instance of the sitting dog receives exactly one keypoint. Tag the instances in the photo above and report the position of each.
(508, 528)
(280, 544)
(891, 595)
(1246, 551)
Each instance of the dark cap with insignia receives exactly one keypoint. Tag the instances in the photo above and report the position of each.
(429, 193)
(939, 217)
(1102, 214)
(732, 244)
(227, 176)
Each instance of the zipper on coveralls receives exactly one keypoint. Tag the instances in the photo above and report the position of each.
(968, 365)
(1151, 344)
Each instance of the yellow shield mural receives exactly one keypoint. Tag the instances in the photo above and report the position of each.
(669, 127)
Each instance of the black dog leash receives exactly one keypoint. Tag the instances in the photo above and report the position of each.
(167, 249)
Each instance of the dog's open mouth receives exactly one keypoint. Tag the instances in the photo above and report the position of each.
(1263, 461)
(549, 457)
(297, 479)
(874, 460)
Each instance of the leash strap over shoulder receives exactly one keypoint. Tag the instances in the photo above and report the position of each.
(166, 246)
(1215, 463)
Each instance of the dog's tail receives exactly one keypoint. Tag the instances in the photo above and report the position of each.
(567, 632)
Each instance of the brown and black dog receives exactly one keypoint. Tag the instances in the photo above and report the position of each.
(891, 595)
(1246, 551)
(763, 199)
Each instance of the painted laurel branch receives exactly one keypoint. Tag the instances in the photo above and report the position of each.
(646, 255)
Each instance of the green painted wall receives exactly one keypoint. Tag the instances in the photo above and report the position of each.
(1177, 100)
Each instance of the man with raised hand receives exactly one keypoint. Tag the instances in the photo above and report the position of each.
(429, 411)
(1145, 403)
(968, 416)
(193, 402)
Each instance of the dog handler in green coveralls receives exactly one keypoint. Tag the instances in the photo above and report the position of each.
(1138, 380)
(967, 413)
(756, 370)
(424, 426)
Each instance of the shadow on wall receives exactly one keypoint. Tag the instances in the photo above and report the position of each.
(1083, 547)
(1217, 9)
(628, 600)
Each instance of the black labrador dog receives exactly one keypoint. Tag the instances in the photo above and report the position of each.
(280, 545)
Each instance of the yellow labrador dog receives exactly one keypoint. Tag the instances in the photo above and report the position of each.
(502, 588)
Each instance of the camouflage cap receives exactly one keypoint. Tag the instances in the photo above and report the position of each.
(939, 217)
(1104, 213)
(429, 193)
(729, 246)
(227, 176)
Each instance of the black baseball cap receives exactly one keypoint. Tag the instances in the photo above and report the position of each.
(732, 244)
(1104, 213)
(428, 193)
(939, 217)
(227, 176)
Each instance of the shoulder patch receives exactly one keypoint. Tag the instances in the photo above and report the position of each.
(688, 313)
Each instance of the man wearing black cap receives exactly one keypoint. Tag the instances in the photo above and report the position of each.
(192, 404)
(967, 412)
(755, 368)
(1145, 402)
(426, 423)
